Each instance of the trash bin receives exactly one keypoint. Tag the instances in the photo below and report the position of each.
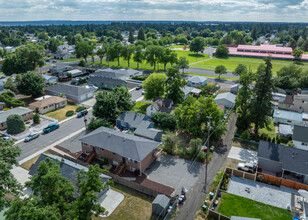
(204, 207)
(211, 195)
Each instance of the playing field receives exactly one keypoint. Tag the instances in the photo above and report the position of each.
(232, 62)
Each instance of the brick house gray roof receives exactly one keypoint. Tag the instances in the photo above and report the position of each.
(300, 133)
(123, 144)
(14, 111)
(68, 89)
(292, 159)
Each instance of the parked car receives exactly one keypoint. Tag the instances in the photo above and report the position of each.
(32, 136)
(143, 92)
(247, 167)
(6, 138)
(139, 87)
(93, 87)
(51, 127)
(82, 113)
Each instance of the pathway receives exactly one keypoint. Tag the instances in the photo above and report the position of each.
(200, 61)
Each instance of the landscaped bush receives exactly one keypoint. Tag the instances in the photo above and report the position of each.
(10, 93)
(70, 102)
(245, 135)
(15, 124)
(141, 77)
(80, 108)
(36, 118)
(171, 141)
(11, 102)
(69, 113)
(164, 120)
(96, 123)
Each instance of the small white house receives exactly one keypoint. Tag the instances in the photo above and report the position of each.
(227, 99)
(74, 73)
(290, 118)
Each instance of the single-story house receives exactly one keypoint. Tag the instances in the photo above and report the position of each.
(196, 81)
(73, 73)
(160, 105)
(59, 68)
(124, 150)
(191, 91)
(227, 99)
(290, 117)
(283, 160)
(300, 137)
(140, 124)
(25, 113)
(61, 56)
(49, 104)
(69, 170)
(103, 78)
(160, 205)
(285, 131)
(125, 72)
(76, 93)
(49, 79)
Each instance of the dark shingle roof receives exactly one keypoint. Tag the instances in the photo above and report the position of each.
(163, 104)
(108, 74)
(300, 133)
(132, 118)
(145, 129)
(14, 111)
(123, 144)
(69, 89)
(100, 79)
(292, 159)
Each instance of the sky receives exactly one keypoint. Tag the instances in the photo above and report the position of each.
(167, 10)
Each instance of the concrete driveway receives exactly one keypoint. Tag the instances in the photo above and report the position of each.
(241, 154)
(174, 172)
(110, 201)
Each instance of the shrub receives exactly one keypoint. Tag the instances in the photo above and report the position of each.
(70, 102)
(260, 178)
(82, 63)
(164, 120)
(15, 124)
(10, 102)
(96, 123)
(171, 142)
(69, 113)
(245, 135)
(9, 93)
(80, 108)
(36, 118)
(141, 77)
(290, 144)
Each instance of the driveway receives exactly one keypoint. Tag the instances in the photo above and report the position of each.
(174, 172)
(89, 102)
(241, 154)
(110, 201)
(136, 94)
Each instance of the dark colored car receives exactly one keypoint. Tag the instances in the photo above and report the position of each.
(139, 87)
(82, 113)
(51, 128)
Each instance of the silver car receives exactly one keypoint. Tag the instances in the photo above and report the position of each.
(32, 136)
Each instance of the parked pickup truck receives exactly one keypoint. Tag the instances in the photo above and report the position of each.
(247, 167)
(51, 127)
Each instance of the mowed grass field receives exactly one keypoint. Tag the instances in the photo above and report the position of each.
(252, 63)
(232, 205)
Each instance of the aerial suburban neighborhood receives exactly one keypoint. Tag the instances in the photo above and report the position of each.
(153, 117)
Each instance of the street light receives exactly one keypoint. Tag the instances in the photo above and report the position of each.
(208, 147)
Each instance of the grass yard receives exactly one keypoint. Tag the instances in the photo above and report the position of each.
(245, 144)
(232, 205)
(178, 46)
(26, 165)
(141, 107)
(134, 206)
(60, 113)
(69, 60)
(191, 56)
(232, 62)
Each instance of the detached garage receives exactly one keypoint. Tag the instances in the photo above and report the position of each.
(160, 205)
(227, 99)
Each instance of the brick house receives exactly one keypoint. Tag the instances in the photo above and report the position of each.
(123, 150)
(25, 113)
(48, 104)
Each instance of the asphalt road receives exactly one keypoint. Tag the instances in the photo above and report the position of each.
(45, 140)
(209, 72)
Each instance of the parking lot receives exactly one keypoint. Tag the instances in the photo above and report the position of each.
(174, 172)
(272, 195)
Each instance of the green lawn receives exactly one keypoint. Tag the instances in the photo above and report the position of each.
(178, 46)
(141, 107)
(232, 205)
(191, 56)
(232, 62)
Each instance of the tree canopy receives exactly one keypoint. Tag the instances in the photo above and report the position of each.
(197, 45)
(31, 84)
(154, 85)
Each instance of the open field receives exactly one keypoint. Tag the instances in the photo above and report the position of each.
(232, 205)
(134, 206)
(232, 62)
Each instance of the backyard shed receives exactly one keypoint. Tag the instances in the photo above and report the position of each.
(160, 205)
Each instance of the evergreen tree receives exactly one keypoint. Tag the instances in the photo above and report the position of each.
(174, 85)
(131, 38)
(141, 35)
(254, 32)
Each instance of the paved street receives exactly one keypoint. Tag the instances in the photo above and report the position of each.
(44, 140)
(209, 72)
(136, 94)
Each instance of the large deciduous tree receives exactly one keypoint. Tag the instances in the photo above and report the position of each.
(154, 85)
(139, 55)
(222, 51)
(183, 63)
(168, 56)
(261, 105)
(197, 45)
(115, 52)
(31, 84)
(53, 44)
(220, 69)
(83, 49)
(153, 54)
(127, 53)
(174, 85)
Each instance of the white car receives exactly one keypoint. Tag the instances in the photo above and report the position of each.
(93, 87)
(32, 136)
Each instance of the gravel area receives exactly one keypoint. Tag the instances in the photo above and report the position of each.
(271, 195)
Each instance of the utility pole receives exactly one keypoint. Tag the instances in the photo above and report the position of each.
(85, 120)
(208, 148)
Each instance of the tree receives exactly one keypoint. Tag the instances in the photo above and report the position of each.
(195, 149)
(139, 55)
(9, 185)
(222, 51)
(297, 53)
(18, 77)
(31, 84)
(292, 43)
(131, 38)
(209, 89)
(254, 32)
(36, 118)
(9, 84)
(220, 69)
(110, 104)
(261, 105)
(115, 52)
(119, 36)
(83, 49)
(174, 85)
(141, 35)
(164, 120)
(167, 56)
(43, 35)
(154, 85)
(183, 63)
(197, 44)
(53, 44)
(15, 124)
(127, 52)
(304, 46)
(287, 77)
(240, 69)
(101, 53)
(153, 54)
